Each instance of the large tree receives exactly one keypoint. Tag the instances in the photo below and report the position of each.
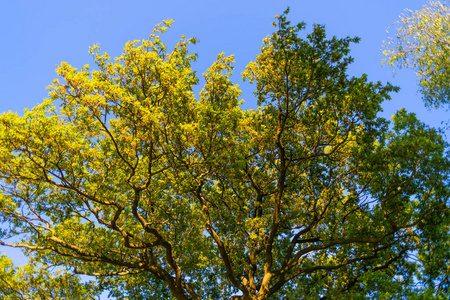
(422, 43)
(125, 175)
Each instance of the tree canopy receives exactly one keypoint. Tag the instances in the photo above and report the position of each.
(422, 43)
(33, 282)
(126, 175)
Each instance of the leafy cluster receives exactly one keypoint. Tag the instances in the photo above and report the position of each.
(422, 43)
(32, 282)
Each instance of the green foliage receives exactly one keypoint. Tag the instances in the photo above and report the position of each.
(31, 282)
(422, 43)
(125, 175)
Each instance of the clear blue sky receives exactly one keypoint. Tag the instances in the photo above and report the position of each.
(37, 35)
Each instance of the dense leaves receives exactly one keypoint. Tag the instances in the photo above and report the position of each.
(422, 43)
(125, 175)
(31, 282)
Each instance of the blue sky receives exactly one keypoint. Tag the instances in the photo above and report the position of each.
(38, 35)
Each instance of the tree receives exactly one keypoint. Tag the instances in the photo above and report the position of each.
(422, 43)
(31, 282)
(125, 175)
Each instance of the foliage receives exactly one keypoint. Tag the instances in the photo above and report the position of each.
(422, 43)
(31, 282)
(125, 175)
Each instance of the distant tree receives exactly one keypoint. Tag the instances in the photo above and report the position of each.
(422, 43)
(125, 175)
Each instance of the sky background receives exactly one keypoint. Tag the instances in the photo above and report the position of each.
(38, 35)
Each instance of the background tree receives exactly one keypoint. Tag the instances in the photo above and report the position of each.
(422, 43)
(123, 174)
